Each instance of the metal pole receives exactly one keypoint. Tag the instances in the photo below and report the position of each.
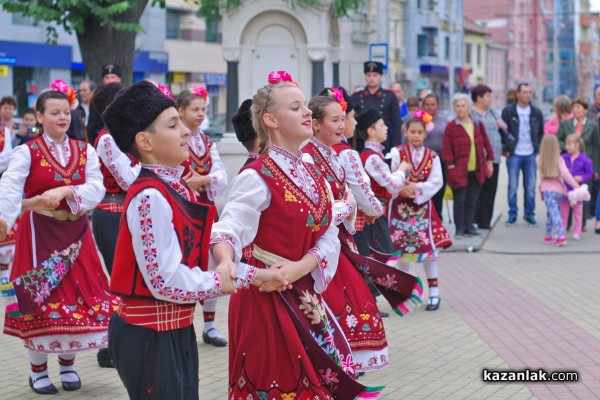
(452, 51)
(556, 56)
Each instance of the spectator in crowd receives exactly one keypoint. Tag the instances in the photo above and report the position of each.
(412, 103)
(399, 92)
(469, 158)
(594, 114)
(587, 129)
(482, 111)
(86, 90)
(8, 106)
(562, 111)
(27, 130)
(422, 95)
(525, 127)
(434, 141)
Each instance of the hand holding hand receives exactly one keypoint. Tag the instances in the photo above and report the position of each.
(196, 181)
(271, 278)
(407, 191)
(226, 270)
(406, 167)
(291, 271)
(53, 197)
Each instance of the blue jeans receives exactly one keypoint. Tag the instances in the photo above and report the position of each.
(515, 164)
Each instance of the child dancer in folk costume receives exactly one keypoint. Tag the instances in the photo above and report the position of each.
(7, 246)
(416, 229)
(286, 209)
(118, 172)
(246, 135)
(162, 251)
(348, 295)
(369, 207)
(580, 167)
(205, 173)
(554, 174)
(372, 129)
(63, 305)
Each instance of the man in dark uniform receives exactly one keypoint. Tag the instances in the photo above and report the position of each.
(384, 101)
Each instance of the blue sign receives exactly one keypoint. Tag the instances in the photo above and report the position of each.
(151, 61)
(379, 52)
(8, 60)
(215, 79)
(25, 54)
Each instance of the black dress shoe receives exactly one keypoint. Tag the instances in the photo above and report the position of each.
(71, 386)
(50, 389)
(432, 304)
(215, 341)
(104, 359)
(384, 314)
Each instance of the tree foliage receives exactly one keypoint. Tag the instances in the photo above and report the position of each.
(212, 9)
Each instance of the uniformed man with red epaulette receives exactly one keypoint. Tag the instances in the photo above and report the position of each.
(382, 100)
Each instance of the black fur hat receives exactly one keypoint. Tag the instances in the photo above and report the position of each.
(104, 95)
(242, 122)
(351, 105)
(367, 118)
(133, 110)
(111, 69)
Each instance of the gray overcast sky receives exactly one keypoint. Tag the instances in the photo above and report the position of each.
(595, 5)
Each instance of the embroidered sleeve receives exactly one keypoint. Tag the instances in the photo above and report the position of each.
(358, 181)
(89, 194)
(426, 190)
(380, 173)
(117, 162)
(327, 253)
(12, 184)
(245, 275)
(6, 150)
(217, 175)
(341, 210)
(158, 253)
(248, 197)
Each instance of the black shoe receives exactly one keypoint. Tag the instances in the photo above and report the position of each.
(50, 389)
(215, 341)
(432, 304)
(473, 232)
(104, 359)
(484, 226)
(71, 386)
(359, 374)
(384, 314)
(459, 235)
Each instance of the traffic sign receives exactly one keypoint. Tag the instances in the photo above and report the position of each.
(379, 52)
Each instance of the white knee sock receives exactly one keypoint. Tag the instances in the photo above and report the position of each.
(431, 270)
(39, 368)
(66, 365)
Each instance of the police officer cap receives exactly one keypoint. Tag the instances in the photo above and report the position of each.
(373, 66)
(111, 69)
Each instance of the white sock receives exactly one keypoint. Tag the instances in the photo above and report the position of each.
(208, 308)
(431, 270)
(4, 269)
(66, 366)
(39, 368)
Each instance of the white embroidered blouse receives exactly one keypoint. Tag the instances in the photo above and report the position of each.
(249, 196)
(117, 162)
(217, 174)
(5, 154)
(86, 196)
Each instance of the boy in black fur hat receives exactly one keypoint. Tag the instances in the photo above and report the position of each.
(242, 124)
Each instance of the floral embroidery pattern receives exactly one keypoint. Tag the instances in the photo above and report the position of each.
(358, 172)
(66, 172)
(107, 147)
(412, 228)
(152, 267)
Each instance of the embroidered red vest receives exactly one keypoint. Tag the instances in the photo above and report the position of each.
(200, 164)
(110, 183)
(421, 173)
(338, 148)
(338, 187)
(192, 222)
(46, 172)
(380, 192)
(2, 138)
(290, 211)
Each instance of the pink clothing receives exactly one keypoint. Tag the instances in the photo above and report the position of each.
(557, 184)
(551, 127)
(577, 216)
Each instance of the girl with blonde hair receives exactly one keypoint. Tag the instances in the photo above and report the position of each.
(553, 174)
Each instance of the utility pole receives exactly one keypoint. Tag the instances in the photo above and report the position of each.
(452, 51)
(556, 56)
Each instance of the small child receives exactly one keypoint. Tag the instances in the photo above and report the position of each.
(27, 129)
(416, 229)
(160, 266)
(384, 184)
(580, 166)
(204, 172)
(554, 174)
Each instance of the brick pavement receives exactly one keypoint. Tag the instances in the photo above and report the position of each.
(515, 303)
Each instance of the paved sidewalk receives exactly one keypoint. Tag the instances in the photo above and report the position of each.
(516, 303)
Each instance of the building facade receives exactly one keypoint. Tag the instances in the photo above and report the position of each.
(589, 52)
(28, 64)
(475, 52)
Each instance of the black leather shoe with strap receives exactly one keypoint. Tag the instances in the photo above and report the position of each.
(216, 341)
(50, 389)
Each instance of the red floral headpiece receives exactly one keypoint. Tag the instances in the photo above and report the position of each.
(425, 117)
(338, 95)
(61, 86)
(276, 77)
(165, 89)
(201, 92)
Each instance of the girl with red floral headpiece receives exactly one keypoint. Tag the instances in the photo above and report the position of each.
(63, 306)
